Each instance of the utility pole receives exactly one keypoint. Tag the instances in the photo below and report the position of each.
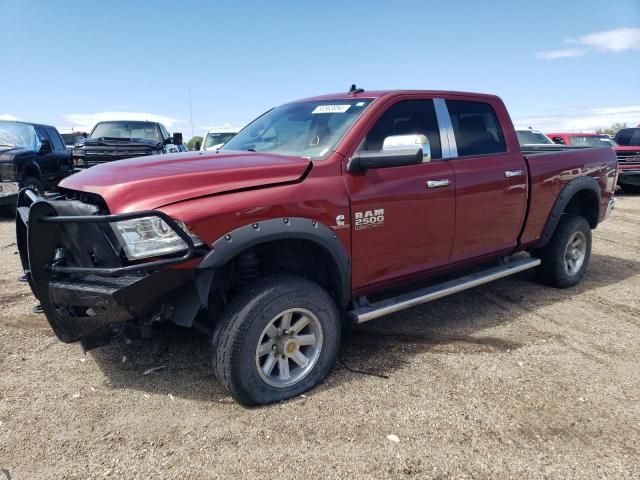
(190, 110)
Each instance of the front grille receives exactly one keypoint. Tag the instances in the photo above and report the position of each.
(117, 153)
(631, 157)
(96, 156)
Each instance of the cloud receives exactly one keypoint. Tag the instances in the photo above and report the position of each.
(6, 116)
(608, 41)
(563, 53)
(575, 119)
(617, 40)
(86, 121)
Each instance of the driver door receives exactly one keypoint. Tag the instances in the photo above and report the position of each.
(48, 161)
(402, 218)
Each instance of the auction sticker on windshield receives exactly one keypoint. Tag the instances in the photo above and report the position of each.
(331, 108)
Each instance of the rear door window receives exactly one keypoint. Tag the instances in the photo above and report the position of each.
(476, 128)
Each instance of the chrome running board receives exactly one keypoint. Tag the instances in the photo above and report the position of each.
(429, 294)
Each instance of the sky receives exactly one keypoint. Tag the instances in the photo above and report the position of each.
(558, 65)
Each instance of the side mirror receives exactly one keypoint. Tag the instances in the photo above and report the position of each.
(397, 151)
(197, 146)
(558, 140)
(177, 138)
(45, 146)
(400, 142)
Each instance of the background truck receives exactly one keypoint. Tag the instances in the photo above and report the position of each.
(72, 138)
(312, 216)
(32, 156)
(215, 139)
(628, 153)
(118, 139)
(529, 136)
(576, 139)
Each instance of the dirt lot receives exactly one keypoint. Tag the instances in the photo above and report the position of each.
(510, 380)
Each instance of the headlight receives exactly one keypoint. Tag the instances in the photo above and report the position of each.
(8, 171)
(150, 237)
(8, 188)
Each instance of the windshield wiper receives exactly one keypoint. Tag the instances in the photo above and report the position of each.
(251, 149)
(6, 145)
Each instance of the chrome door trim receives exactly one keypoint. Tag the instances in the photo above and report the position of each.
(447, 138)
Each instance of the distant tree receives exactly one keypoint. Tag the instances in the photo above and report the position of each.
(191, 144)
(613, 129)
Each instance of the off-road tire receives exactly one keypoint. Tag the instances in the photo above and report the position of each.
(552, 270)
(241, 327)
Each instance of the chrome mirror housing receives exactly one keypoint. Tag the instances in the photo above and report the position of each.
(402, 142)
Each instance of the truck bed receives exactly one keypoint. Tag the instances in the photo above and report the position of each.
(550, 169)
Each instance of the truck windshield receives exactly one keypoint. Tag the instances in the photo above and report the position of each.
(304, 129)
(530, 137)
(18, 135)
(592, 141)
(126, 131)
(215, 138)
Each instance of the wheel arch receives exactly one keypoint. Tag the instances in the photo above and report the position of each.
(30, 169)
(581, 196)
(300, 238)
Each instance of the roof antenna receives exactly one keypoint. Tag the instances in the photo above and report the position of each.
(355, 90)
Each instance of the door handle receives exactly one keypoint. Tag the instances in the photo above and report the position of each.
(513, 173)
(437, 183)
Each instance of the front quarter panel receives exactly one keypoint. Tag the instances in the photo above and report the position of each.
(321, 196)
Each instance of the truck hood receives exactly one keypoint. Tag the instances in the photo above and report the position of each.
(627, 149)
(145, 183)
(7, 155)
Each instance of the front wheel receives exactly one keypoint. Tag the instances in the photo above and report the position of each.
(33, 183)
(566, 256)
(277, 339)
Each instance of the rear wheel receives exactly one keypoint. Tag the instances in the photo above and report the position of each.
(566, 256)
(276, 340)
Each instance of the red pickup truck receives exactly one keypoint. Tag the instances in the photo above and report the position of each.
(273, 242)
(628, 153)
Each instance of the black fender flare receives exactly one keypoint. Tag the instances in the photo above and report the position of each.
(566, 194)
(247, 236)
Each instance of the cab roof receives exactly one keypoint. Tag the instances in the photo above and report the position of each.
(384, 93)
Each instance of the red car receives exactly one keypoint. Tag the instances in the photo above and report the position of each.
(582, 139)
(628, 153)
(273, 242)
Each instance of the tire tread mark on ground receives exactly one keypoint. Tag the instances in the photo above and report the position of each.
(563, 340)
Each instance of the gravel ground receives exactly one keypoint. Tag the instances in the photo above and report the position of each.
(510, 380)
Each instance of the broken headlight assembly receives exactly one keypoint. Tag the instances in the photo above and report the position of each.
(151, 237)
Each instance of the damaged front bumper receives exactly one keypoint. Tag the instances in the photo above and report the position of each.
(87, 290)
